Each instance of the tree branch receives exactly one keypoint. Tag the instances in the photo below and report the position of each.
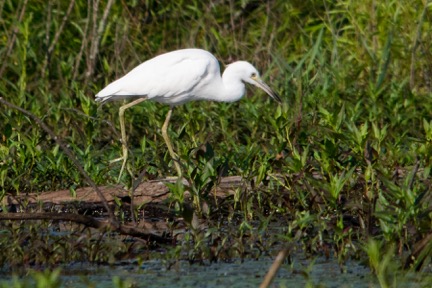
(89, 222)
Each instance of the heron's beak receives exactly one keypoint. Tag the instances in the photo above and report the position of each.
(259, 83)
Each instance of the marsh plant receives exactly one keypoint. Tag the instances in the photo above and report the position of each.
(345, 159)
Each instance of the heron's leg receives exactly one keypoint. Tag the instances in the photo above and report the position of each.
(123, 133)
(168, 143)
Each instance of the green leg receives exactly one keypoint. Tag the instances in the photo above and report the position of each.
(123, 133)
(168, 143)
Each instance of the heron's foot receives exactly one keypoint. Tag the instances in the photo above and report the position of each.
(122, 169)
(177, 165)
(116, 160)
(122, 158)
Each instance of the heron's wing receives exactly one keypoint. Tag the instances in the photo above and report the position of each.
(166, 78)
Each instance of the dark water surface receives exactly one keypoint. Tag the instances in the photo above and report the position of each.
(249, 273)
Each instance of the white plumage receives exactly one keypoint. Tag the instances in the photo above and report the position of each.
(180, 76)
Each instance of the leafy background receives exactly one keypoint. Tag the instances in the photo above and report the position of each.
(352, 139)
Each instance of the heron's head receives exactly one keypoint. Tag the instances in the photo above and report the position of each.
(249, 74)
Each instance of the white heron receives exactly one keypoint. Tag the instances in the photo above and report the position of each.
(177, 77)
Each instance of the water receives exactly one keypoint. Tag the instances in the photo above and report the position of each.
(319, 272)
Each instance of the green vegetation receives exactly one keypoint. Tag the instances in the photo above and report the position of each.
(346, 158)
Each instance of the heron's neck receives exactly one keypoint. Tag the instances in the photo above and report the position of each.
(232, 88)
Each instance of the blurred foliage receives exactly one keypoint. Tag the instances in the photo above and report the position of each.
(347, 156)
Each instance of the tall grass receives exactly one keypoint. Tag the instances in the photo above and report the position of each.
(351, 141)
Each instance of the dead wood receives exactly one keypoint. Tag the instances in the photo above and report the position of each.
(89, 221)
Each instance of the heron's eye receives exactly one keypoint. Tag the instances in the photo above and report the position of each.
(253, 75)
